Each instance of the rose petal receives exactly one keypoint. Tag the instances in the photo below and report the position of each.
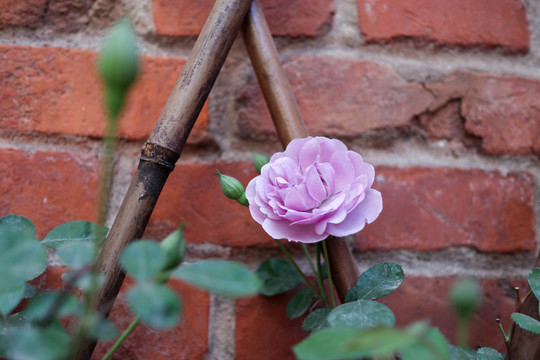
(283, 230)
(314, 185)
(367, 211)
(308, 154)
(344, 170)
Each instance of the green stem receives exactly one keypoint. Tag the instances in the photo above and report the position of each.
(107, 167)
(463, 332)
(319, 273)
(122, 338)
(330, 282)
(306, 280)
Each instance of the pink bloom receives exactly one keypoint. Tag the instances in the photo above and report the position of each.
(315, 188)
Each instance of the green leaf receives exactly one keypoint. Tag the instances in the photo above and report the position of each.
(75, 231)
(352, 343)
(278, 276)
(10, 297)
(21, 258)
(143, 259)
(29, 291)
(31, 343)
(432, 345)
(76, 255)
(486, 353)
(317, 320)
(157, 305)
(534, 282)
(361, 314)
(299, 303)
(526, 322)
(40, 306)
(83, 281)
(220, 277)
(462, 353)
(376, 282)
(19, 224)
(102, 329)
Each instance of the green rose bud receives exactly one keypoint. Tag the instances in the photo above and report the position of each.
(230, 186)
(175, 248)
(259, 161)
(465, 297)
(118, 63)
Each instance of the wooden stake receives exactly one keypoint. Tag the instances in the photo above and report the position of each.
(165, 145)
(289, 124)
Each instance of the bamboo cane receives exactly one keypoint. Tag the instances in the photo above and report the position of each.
(165, 145)
(289, 124)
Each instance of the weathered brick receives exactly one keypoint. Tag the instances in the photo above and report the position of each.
(63, 15)
(421, 298)
(48, 187)
(28, 13)
(285, 17)
(192, 195)
(337, 97)
(187, 340)
(263, 330)
(438, 208)
(57, 91)
(466, 23)
(443, 123)
(502, 110)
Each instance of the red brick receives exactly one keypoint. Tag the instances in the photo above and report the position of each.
(439, 208)
(263, 330)
(501, 110)
(285, 17)
(421, 298)
(57, 91)
(187, 340)
(337, 97)
(487, 23)
(192, 194)
(444, 123)
(48, 187)
(28, 13)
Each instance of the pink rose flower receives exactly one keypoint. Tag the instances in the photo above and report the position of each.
(315, 188)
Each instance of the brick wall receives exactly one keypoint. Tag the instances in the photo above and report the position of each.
(443, 97)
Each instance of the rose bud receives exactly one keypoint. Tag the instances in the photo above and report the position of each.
(465, 297)
(175, 248)
(118, 63)
(259, 161)
(232, 188)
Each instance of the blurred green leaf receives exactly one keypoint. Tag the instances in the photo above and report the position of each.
(157, 305)
(432, 345)
(361, 314)
(486, 353)
(220, 277)
(316, 320)
(278, 276)
(29, 291)
(83, 281)
(534, 282)
(31, 343)
(143, 259)
(10, 297)
(299, 303)
(376, 282)
(75, 231)
(76, 255)
(19, 224)
(40, 306)
(102, 329)
(21, 258)
(526, 322)
(462, 353)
